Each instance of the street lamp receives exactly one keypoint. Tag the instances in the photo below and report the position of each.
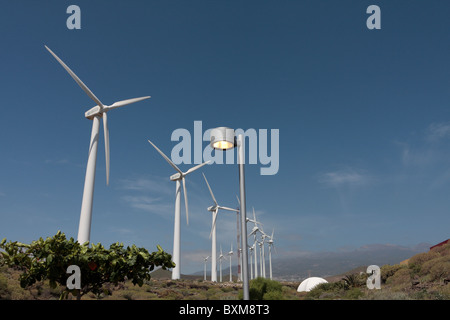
(223, 138)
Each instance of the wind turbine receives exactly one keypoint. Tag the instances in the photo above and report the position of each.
(221, 256)
(263, 261)
(253, 232)
(94, 114)
(180, 175)
(251, 248)
(205, 259)
(230, 253)
(214, 210)
(255, 227)
(256, 258)
(270, 242)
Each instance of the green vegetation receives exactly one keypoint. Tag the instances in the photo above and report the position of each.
(348, 287)
(264, 289)
(157, 288)
(49, 259)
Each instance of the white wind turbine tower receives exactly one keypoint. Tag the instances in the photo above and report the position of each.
(251, 248)
(205, 260)
(180, 175)
(221, 257)
(94, 114)
(263, 261)
(253, 232)
(270, 242)
(254, 253)
(230, 253)
(214, 210)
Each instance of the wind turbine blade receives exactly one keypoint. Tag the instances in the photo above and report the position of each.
(125, 102)
(196, 167)
(271, 237)
(210, 191)
(229, 209)
(255, 222)
(167, 158)
(185, 200)
(106, 134)
(77, 80)
(238, 200)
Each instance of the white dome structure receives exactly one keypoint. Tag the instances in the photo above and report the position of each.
(308, 284)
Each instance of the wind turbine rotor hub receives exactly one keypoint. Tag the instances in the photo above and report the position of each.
(91, 113)
(176, 176)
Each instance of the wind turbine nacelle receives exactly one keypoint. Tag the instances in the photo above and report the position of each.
(212, 208)
(91, 113)
(175, 176)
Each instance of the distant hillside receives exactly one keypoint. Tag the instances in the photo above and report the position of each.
(426, 276)
(326, 264)
(161, 274)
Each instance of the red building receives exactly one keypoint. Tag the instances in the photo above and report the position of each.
(440, 244)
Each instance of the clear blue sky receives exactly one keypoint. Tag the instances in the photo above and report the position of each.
(363, 116)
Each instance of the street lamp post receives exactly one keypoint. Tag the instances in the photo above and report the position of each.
(223, 138)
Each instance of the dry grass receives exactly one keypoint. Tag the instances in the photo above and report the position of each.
(158, 288)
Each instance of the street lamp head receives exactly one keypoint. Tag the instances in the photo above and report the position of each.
(222, 138)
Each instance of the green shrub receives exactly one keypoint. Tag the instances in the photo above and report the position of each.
(416, 263)
(386, 295)
(443, 250)
(440, 271)
(388, 271)
(445, 291)
(273, 295)
(328, 290)
(355, 280)
(48, 260)
(5, 293)
(400, 279)
(353, 294)
(264, 289)
(128, 295)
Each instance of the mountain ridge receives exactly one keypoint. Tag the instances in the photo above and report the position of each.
(330, 263)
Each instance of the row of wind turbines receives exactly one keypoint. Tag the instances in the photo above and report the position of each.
(214, 209)
(84, 229)
(255, 271)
